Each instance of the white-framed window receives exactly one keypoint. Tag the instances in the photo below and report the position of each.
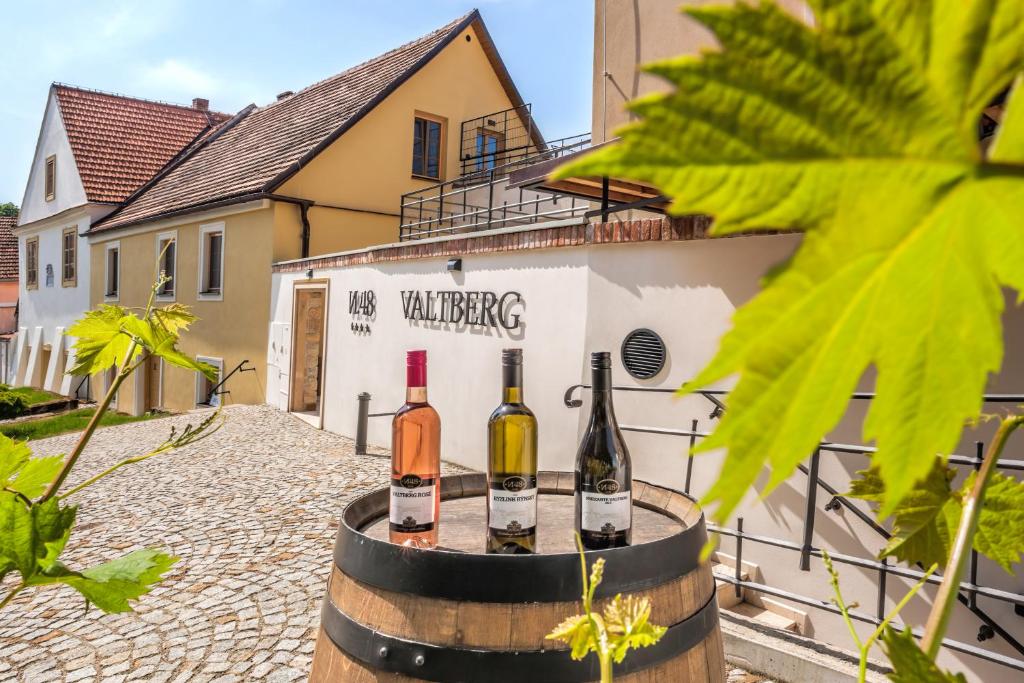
(211, 261)
(166, 252)
(112, 272)
(50, 178)
(69, 257)
(32, 263)
(204, 385)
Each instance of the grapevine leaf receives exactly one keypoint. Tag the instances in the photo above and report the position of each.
(173, 318)
(628, 626)
(32, 537)
(1000, 534)
(13, 456)
(860, 131)
(578, 633)
(910, 664)
(112, 584)
(160, 341)
(926, 520)
(100, 340)
(36, 474)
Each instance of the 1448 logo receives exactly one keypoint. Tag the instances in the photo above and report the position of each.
(362, 303)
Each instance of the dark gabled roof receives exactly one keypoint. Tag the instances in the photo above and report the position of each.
(121, 142)
(252, 155)
(8, 248)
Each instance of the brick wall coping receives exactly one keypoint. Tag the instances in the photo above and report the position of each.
(555, 234)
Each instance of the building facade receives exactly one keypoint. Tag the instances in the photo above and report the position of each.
(318, 171)
(94, 150)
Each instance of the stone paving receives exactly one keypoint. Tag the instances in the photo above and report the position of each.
(251, 511)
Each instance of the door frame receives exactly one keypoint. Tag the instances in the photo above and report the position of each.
(323, 284)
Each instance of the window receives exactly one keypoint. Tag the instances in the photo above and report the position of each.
(166, 246)
(428, 146)
(205, 395)
(113, 271)
(108, 381)
(50, 178)
(211, 260)
(488, 144)
(32, 263)
(69, 257)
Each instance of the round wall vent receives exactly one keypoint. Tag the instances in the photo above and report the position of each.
(643, 353)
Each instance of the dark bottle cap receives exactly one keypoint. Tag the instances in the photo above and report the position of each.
(601, 360)
(511, 356)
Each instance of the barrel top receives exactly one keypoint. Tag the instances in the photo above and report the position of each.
(463, 522)
(668, 533)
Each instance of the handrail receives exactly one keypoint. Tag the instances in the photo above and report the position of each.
(970, 590)
(214, 391)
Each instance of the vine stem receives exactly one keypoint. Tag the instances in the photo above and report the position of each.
(942, 608)
(126, 369)
(10, 596)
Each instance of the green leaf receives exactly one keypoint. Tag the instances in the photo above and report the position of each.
(910, 664)
(31, 538)
(174, 318)
(1000, 534)
(112, 584)
(926, 520)
(160, 341)
(628, 626)
(860, 132)
(100, 339)
(578, 633)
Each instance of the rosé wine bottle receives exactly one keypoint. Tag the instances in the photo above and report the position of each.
(415, 462)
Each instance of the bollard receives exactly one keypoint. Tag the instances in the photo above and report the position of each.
(364, 413)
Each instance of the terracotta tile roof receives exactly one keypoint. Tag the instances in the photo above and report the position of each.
(8, 248)
(258, 149)
(121, 142)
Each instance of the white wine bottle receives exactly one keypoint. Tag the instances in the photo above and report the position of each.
(604, 473)
(512, 466)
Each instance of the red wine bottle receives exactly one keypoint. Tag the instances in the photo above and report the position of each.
(604, 472)
(415, 462)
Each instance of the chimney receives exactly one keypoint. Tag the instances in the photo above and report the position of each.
(200, 104)
(283, 95)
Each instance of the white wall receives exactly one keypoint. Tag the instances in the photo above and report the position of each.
(46, 311)
(53, 140)
(579, 300)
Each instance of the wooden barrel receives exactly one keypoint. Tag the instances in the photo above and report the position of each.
(393, 613)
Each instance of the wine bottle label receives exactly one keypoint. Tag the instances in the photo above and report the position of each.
(605, 513)
(412, 504)
(512, 506)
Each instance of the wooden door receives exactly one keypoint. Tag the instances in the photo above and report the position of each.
(308, 349)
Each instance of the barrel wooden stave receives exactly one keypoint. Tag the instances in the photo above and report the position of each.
(521, 626)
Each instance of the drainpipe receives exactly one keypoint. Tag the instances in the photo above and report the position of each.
(304, 214)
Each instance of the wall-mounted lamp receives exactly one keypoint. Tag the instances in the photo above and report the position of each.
(309, 274)
(454, 264)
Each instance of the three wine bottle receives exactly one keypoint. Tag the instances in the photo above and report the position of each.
(603, 471)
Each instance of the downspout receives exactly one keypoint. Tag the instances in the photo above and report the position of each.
(604, 70)
(304, 215)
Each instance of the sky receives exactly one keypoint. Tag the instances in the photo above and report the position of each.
(234, 53)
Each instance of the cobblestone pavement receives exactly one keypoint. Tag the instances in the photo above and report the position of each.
(251, 512)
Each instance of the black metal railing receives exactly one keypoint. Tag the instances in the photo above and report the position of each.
(970, 590)
(496, 139)
(481, 199)
(218, 388)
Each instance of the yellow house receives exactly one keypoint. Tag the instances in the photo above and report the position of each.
(318, 171)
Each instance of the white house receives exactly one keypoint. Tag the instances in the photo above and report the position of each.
(94, 150)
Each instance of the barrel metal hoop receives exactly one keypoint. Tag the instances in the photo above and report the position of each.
(430, 662)
(478, 577)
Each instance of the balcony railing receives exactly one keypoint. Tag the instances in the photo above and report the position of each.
(482, 200)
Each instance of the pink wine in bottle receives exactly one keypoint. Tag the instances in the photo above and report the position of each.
(415, 462)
